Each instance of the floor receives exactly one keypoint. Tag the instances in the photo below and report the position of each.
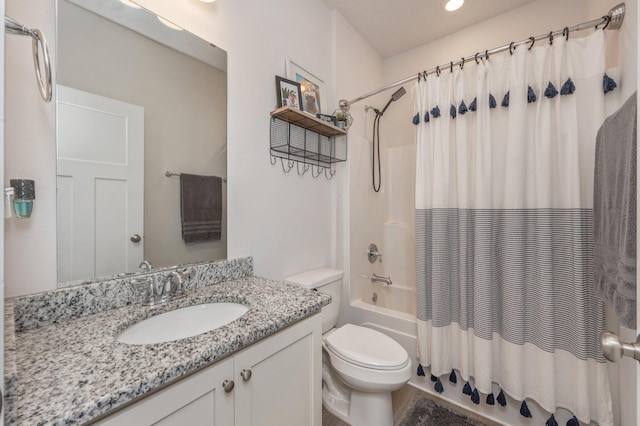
(412, 407)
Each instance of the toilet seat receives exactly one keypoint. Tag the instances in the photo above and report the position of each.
(368, 348)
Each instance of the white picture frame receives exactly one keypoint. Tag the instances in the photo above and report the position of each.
(312, 87)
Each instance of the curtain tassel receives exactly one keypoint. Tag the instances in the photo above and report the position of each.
(505, 100)
(438, 386)
(568, 87)
(531, 95)
(452, 377)
(420, 371)
(462, 109)
(475, 397)
(490, 399)
(501, 399)
(434, 378)
(473, 105)
(426, 117)
(551, 91)
(435, 112)
(416, 119)
(608, 84)
(551, 422)
(524, 410)
(466, 389)
(573, 422)
(452, 111)
(492, 101)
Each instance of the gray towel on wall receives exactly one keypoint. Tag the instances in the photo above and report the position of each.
(200, 208)
(614, 212)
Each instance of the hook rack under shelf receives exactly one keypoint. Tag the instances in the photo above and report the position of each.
(314, 144)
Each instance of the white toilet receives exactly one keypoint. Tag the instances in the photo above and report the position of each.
(361, 366)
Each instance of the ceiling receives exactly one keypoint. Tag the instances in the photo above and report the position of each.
(395, 26)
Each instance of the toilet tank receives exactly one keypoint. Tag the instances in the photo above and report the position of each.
(327, 281)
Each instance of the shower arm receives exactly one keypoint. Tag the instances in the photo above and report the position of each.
(612, 21)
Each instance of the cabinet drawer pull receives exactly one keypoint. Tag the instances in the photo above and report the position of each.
(246, 374)
(228, 385)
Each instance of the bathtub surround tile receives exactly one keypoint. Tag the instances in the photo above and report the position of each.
(35, 310)
(68, 370)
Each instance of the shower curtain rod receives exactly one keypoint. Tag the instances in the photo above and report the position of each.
(613, 20)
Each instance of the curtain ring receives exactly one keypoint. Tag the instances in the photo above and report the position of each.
(532, 39)
(511, 47)
(476, 58)
(565, 33)
(550, 38)
(462, 64)
(438, 70)
(608, 18)
(486, 54)
(451, 66)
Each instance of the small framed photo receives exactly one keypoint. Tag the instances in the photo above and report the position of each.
(311, 86)
(288, 92)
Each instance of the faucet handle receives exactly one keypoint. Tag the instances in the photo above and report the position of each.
(176, 281)
(179, 291)
(373, 253)
(147, 284)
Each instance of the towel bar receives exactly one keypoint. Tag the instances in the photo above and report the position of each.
(169, 174)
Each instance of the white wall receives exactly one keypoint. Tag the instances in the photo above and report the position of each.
(30, 153)
(358, 71)
(285, 221)
(2, 127)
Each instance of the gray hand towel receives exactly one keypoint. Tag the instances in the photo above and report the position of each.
(200, 208)
(614, 212)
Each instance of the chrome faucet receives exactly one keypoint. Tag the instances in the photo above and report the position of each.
(176, 287)
(386, 280)
(155, 295)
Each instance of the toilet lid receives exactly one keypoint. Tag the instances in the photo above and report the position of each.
(367, 347)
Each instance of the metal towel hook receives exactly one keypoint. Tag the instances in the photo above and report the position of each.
(38, 44)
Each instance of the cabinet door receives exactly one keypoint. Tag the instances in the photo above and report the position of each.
(196, 400)
(285, 386)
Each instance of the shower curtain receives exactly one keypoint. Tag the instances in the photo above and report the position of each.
(504, 183)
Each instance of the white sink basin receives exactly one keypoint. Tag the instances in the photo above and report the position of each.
(182, 323)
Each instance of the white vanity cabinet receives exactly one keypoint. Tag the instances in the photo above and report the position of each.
(276, 381)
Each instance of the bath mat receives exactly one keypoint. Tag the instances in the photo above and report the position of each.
(425, 412)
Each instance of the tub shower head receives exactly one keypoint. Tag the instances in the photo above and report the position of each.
(396, 95)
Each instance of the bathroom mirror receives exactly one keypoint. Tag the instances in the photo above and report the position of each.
(136, 97)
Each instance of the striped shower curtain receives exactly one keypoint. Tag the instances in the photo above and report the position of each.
(504, 184)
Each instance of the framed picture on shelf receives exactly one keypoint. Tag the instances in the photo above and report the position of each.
(311, 86)
(288, 92)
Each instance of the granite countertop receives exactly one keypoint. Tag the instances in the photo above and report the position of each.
(73, 371)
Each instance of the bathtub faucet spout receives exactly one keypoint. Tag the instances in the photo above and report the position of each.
(386, 280)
